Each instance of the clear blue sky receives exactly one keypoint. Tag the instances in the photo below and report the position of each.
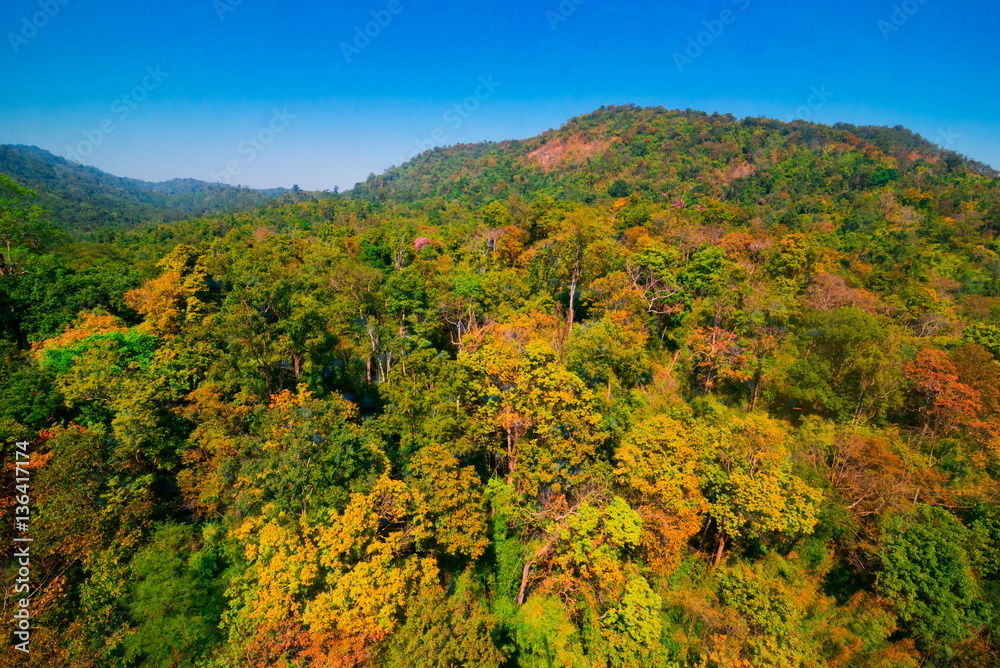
(77, 74)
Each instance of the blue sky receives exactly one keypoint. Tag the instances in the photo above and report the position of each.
(274, 93)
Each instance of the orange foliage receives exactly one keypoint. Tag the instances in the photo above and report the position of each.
(510, 245)
(873, 478)
(717, 355)
(945, 403)
(169, 301)
(829, 291)
(88, 325)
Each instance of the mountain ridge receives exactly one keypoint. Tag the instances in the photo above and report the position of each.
(654, 153)
(639, 139)
(83, 198)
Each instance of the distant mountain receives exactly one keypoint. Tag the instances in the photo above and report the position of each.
(85, 199)
(663, 155)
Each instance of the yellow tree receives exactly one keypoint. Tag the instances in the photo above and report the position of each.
(750, 483)
(175, 298)
(544, 414)
(657, 465)
(370, 570)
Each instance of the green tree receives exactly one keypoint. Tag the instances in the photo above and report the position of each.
(177, 598)
(927, 573)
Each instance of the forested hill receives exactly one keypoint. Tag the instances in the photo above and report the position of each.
(85, 199)
(661, 155)
(654, 390)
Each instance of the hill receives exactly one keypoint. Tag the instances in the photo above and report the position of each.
(663, 155)
(86, 199)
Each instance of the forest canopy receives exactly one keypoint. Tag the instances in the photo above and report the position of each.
(654, 389)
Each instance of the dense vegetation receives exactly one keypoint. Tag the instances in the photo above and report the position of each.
(655, 389)
(85, 199)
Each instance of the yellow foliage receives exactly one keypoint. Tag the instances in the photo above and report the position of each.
(170, 301)
(367, 576)
(658, 462)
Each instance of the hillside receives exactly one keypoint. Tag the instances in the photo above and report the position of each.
(85, 199)
(656, 389)
(663, 155)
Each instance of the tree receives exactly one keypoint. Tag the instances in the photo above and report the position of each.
(544, 413)
(752, 490)
(177, 598)
(944, 402)
(927, 574)
(658, 466)
(849, 365)
(176, 297)
(577, 250)
(449, 499)
(496, 215)
(299, 454)
(22, 225)
(619, 189)
(443, 630)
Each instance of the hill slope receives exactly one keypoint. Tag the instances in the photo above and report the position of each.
(663, 155)
(85, 199)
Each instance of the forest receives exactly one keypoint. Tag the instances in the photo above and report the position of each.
(655, 389)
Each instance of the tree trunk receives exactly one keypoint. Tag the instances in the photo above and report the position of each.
(522, 592)
(718, 553)
(572, 300)
(573, 283)
(511, 458)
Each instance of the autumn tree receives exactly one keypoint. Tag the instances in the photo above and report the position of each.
(658, 464)
(543, 413)
(176, 297)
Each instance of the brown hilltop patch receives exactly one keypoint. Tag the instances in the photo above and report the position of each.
(572, 150)
(732, 172)
(916, 155)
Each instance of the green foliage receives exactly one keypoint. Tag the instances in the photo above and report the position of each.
(22, 226)
(986, 335)
(442, 631)
(632, 628)
(851, 366)
(547, 637)
(85, 199)
(27, 392)
(176, 600)
(927, 573)
(773, 620)
(619, 189)
(496, 214)
(884, 176)
(655, 389)
(132, 347)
